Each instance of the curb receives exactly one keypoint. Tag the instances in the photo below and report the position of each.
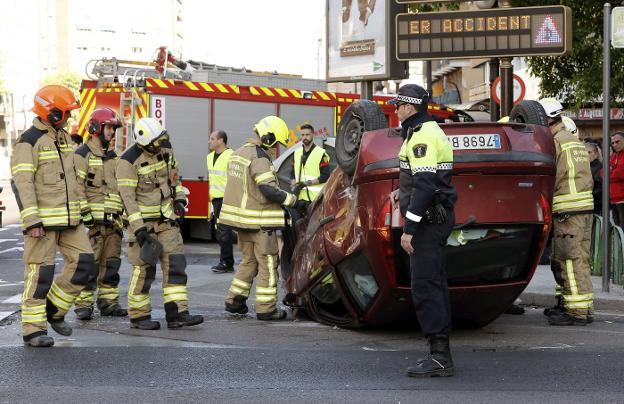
(615, 303)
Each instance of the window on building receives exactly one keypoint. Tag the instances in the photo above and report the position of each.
(137, 49)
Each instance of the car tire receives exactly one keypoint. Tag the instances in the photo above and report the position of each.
(361, 116)
(528, 111)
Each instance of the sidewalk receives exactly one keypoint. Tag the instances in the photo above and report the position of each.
(541, 292)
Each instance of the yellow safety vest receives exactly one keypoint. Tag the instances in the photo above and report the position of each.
(217, 173)
(309, 171)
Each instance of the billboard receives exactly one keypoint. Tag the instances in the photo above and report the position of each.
(360, 40)
(502, 32)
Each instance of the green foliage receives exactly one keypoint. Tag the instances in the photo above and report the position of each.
(70, 80)
(423, 8)
(576, 78)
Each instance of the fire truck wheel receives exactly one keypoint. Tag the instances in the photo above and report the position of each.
(528, 111)
(361, 116)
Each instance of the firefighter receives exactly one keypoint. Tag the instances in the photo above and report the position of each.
(573, 206)
(45, 187)
(253, 205)
(427, 199)
(217, 162)
(310, 167)
(95, 167)
(154, 199)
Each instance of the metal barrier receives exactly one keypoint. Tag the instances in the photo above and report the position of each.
(596, 246)
(616, 238)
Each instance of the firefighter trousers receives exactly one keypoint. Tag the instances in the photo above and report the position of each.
(429, 280)
(259, 250)
(106, 244)
(46, 298)
(173, 266)
(571, 263)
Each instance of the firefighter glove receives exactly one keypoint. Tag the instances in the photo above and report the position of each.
(297, 188)
(301, 205)
(179, 207)
(87, 218)
(142, 236)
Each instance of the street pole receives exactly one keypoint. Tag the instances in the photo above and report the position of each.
(494, 66)
(366, 90)
(429, 77)
(606, 115)
(506, 71)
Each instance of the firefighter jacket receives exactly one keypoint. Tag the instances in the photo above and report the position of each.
(217, 173)
(44, 178)
(310, 169)
(616, 176)
(426, 164)
(252, 199)
(97, 185)
(148, 184)
(573, 181)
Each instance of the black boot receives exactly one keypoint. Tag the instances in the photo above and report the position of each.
(275, 315)
(40, 341)
(113, 310)
(556, 309)
(184, 319)
(84, 313)
(61, 327)
(145, 323)
(238, 306)
(439, 362)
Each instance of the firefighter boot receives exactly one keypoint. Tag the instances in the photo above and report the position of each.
(438, 363)
(564, 318)
(275, 315)
(113, 310)
(61, 327)
(84, 313)
(556, 309)
(238, 306)
(40, 341)
(145, 323)
(184, 319)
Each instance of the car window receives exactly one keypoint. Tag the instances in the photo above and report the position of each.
(283, 174)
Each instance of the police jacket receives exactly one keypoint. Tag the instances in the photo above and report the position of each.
(97, 184)
(573, 181)
(311, 166)
(217, 173)
(426, 164)
(148, 184)
(44, 178)
(253, 199)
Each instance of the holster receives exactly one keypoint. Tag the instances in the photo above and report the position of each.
(151, 251)
(436, 213)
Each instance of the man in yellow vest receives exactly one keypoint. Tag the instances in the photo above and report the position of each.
(573, 205)
(310, 167)
(217, 162)
(254, 205)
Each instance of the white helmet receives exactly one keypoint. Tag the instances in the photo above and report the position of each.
(147, 130)
(569, 125)
(552, 107)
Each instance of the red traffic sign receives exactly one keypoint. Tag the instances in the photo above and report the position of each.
(519, 89)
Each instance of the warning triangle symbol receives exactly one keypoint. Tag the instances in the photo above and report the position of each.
(548, 33)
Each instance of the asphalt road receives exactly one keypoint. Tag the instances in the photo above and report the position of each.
(237, 358)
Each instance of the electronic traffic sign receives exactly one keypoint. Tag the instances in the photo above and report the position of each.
(501, 32)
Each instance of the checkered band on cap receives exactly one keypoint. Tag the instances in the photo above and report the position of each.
(409, 100)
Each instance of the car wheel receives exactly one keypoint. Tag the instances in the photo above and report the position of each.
(528, 111)
(361, 116)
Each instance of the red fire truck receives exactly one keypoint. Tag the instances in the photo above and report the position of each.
(190, 107)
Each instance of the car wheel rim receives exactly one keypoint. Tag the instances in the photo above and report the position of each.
(353, 136)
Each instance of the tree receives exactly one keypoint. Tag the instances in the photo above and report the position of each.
(576, 78)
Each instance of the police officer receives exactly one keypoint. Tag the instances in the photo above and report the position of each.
(217, 162)
(95, 162)
(44, 183)
(253, 204)
(310, 167)
(427, 199)
(573, 206)
(153, 198)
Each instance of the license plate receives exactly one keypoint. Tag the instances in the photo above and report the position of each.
(475, 142)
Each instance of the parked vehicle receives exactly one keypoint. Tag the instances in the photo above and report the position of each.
(344, 265)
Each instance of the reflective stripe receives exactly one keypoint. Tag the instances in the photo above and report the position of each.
(253, 212)
(59, 298)
(424, 169)
(48, 155)
(571, 278)
(445, 166)
(34, 314)
(266, 299)
(571, 173)
(264, 177)
(174, 293)
(578, 298)
(241, 284)
(404, 165)
(251, 221)
(33, 210)
(271, 266)
(31, 274)
(95, 161)
(266, 291)
(127, 182)
(217, 172)
(135, 216)
(108, 293)
(240, 160)
(239, 291)
(85, 298)
(290, 199)
(413, 217)
(152, 167)
(23, 167)
(136, 300)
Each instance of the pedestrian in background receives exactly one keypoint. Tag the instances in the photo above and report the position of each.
(217, 163)
(616, 178)
(595, 164)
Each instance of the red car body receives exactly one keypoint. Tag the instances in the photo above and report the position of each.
(347, 267)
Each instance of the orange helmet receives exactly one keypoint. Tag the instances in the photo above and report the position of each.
(53, 103)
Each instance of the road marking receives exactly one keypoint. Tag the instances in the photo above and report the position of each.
(13, 299)
(12, 249)
(8, 239)
(12, 226)
(11, 284)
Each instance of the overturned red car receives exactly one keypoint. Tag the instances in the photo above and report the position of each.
(344, 265)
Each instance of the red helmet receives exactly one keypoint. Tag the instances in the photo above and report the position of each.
(101, 117)
(53, 103)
